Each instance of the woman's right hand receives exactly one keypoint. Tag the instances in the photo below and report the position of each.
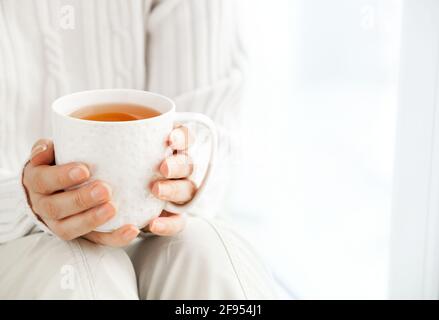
(74, 213)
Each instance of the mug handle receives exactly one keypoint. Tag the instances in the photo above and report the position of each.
(209, 124)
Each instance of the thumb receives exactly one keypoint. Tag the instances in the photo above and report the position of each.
(42, 153)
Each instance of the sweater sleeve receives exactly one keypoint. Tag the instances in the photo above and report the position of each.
(195, 56)
(16, 217)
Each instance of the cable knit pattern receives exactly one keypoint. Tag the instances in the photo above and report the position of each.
(55, 81)
(14, 217)
(186, 49)
(120, 30)
(8, 97)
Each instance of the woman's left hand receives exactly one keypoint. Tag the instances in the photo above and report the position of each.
(175, 187)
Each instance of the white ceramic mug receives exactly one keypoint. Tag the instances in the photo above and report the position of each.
(125, 154)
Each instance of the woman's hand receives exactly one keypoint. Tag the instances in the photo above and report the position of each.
(175, 187)
(75, 213)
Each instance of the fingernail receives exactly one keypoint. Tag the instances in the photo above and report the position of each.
(177, 166)
(104, 211)
(130, 234)
(100, 192)
(164, 190)
(164, 168)
(38, 149)
(78, 174)
(177, 139)
(159, 226)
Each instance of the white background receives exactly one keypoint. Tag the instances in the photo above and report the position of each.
(313, 189)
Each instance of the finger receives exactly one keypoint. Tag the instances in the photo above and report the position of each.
(82, 223)
(118, 238)
(177, 166)
(168, 226)
(61, 205)
(48, 179)
(163, 214)
(42, 153)
(177, 191)
(180, 138)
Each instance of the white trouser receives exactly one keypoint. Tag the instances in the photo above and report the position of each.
(205, 261)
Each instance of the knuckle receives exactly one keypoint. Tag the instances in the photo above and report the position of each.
(79, 199)
(61, 179)
(61, 232)
(92, 220)
(39, 184)
(49, 208)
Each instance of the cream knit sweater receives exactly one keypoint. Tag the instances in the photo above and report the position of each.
(186, 49)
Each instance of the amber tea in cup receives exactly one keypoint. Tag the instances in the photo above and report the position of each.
(115, 112)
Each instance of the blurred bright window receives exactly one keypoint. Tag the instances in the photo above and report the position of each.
(313, 190)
